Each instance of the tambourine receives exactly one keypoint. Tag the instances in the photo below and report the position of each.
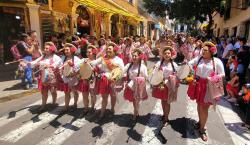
(116, 74)
(67, 70)
(156, 77)
(183, 71)
(86, 71)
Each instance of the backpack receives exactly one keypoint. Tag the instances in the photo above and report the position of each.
(15, 52)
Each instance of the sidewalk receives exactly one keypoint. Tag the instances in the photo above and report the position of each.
(9, 87)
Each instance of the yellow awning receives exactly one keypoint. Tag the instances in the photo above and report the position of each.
(96, 6)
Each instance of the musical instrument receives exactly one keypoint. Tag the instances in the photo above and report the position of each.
(7, 63)
(183, 71)
(156, 77)
(116, 74)
(67, 70)
(86, 70)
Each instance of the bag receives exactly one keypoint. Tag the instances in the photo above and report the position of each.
(215, 90)
(15, 52)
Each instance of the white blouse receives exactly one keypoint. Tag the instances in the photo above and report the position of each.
(133, 71)
(205, 68)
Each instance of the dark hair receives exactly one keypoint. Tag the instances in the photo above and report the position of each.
(23, 36)
(243, 39)
(30, 32)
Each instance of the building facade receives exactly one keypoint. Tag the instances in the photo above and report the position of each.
(94, 17)
(235, 21)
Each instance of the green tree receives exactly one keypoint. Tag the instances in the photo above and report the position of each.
(186, 10)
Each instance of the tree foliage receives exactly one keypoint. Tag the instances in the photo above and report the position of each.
(157, 7)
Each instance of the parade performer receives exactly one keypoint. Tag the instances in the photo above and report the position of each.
(127, 50)
(164, 91)
(145, 49)
(87, 86)
(136, 74)
(111, 67)
(69, 71)
(206, 69)
(48, 67)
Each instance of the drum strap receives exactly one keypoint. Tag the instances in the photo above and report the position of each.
(110, 65)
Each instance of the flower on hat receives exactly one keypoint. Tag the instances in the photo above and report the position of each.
(141, 56)
(213, 50)
(73, 49)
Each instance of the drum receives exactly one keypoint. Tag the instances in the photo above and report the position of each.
(183, 71)
(67, 70)
(156, 78)
(86, 71)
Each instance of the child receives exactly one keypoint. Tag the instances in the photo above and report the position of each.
(232, 87)
(246, 91)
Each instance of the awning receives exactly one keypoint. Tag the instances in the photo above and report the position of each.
(90, 3)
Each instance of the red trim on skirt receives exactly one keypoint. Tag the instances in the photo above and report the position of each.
(42, 86)
(199, 90)
(83, 86)
(160, 93)
(128, 95)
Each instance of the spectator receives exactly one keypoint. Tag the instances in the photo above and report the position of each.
(233, 87)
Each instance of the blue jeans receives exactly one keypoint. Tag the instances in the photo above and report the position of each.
(28, 72)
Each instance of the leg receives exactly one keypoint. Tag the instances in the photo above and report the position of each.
(136, 109)
(113, 101)
(44, 98)
(203, 120)
(104, 104)
(54, 95)
(67, 100)
(85, 96)
(76, 96)
(93, 99)
(167, 111)
(163, 108)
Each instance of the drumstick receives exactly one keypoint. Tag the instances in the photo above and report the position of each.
(7, 63)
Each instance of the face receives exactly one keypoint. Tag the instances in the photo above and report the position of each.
(67, 51)
(46, 50)
(205, 52)
(29, 40)
(33, 35)
(167, 54)
(110, 51)
(89, 53)
(135, 57)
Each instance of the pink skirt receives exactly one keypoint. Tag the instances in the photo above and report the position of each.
(63, 87)
(83, 86)
(198, 91)
(160, 93)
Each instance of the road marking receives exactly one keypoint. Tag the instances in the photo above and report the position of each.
(13, 115)
(30, 126)
(111, 130)
(154, 123)
(63, 133)
(233, 123)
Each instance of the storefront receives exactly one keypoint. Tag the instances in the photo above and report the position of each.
(13, 26)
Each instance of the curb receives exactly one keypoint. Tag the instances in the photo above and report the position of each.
(18, 95)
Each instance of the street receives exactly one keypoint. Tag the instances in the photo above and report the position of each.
(21, 124)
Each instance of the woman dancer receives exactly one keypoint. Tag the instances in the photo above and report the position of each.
(48, 65)
(87, 86)
(204, 67)
(106, 83)
(70, 80)
(161, 91)
(135, 90)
